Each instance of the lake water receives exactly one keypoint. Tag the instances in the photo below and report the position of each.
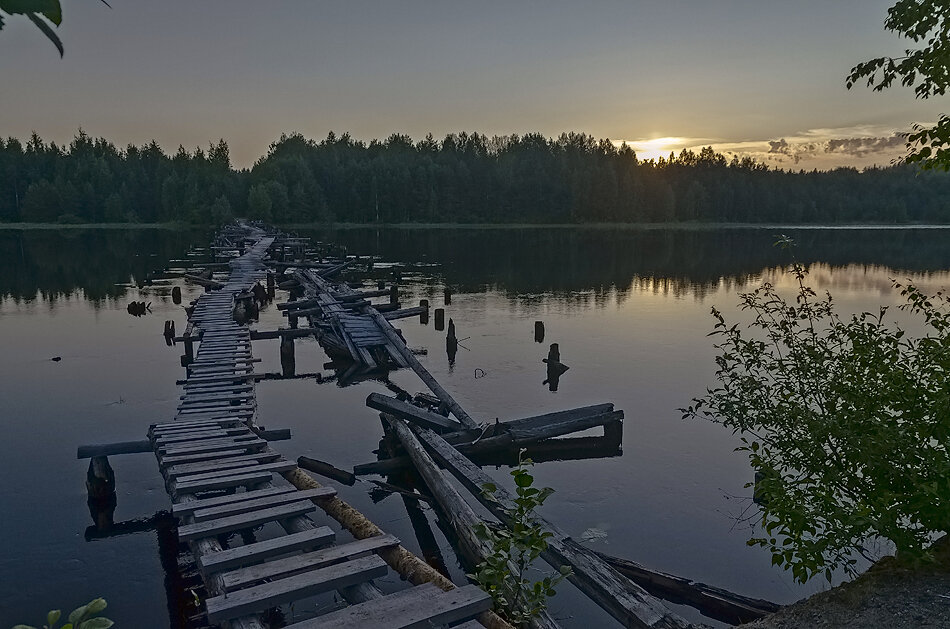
(629, 310)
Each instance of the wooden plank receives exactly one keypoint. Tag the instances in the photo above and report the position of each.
(180, 509)
(219, 526)
(261, 551)
(261, 597)
(212, 411)
(215, 447)
(254, 504)
(203, 441)
(278, 466)
(108, 449)
(220, 464)
(280, 568)
(411, 413)
(417, 607)
(201, 456)
(190, 436)
(621, 598)
(221, 481)
(182, 424)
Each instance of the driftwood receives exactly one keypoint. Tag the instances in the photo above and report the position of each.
(460, 517)
(621, 598)
(711, 601)
(194, 279)
(399, 559)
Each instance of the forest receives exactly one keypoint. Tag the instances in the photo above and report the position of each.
(464, 178)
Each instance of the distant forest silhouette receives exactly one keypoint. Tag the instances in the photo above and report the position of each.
(465, 178)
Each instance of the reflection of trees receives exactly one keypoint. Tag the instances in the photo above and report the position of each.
(54, 264)
(588, 266)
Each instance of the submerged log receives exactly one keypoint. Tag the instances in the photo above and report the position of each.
(711, 601)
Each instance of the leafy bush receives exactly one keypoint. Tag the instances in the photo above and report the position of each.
(84, 617)
(845, 420)
(503, 573)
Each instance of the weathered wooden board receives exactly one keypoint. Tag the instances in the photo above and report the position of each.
(220, 464)
(217, 447)
(279, 467)
(190, 424)
(411, 413)
(279, 568)
(222, 481)
(417, 607)
(182, 508)
(245, 506)
(218, 526)
(267, 595)
(261, 551)
(201, 456)
(621, 598)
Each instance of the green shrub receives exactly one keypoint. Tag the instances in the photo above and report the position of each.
(845, 420)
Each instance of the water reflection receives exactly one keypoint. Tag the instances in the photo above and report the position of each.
(588, 267)
(101, 263)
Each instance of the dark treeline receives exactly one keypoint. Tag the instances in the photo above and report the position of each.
(463, 178)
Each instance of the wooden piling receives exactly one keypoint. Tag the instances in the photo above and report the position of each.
(424, 315)
(539, 331)
(440, 319)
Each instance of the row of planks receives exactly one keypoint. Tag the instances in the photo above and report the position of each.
(224, 479)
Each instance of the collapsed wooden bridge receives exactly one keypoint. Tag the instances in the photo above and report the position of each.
(225, 479)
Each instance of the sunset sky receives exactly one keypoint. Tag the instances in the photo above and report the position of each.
(750, 77)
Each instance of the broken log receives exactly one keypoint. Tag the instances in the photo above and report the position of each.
(457, 513)
(620, 597)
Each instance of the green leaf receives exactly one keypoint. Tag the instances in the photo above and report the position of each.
(53, 617)
(524, 479)
(78, 614)
(46, 30)
(96, 606)
(23, 627)
(95, 623)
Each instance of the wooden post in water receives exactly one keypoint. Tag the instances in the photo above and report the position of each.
(440, 319)
(394, 294)
(451, 343)
(176, 295)
(539, 331)
(424, 316)
(447, 296)
(288, 360)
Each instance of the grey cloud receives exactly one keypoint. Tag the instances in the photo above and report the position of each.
(859, 147)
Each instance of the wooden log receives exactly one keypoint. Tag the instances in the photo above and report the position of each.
(621, 598)
(400, 345)
(194, 279)
(327, 470)
(411, 413)
(409, 566)
(404, 313)
(282, 333)
(109, 449)
(299, 304)
(712, 602)
(439, 319)
(457, 513)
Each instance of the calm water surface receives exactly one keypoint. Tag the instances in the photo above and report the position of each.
(630, 311)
